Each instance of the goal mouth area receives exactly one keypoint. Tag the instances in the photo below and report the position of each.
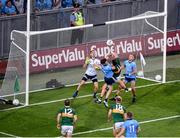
(19, 45)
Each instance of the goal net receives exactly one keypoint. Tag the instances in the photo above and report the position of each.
(57, 56)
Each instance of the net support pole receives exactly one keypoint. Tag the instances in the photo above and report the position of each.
(165, 41)
(27, 52)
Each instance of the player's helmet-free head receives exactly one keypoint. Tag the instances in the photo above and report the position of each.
(131, 57)
(129, 115)
(118, 99)
(67, 102)
(103, 61)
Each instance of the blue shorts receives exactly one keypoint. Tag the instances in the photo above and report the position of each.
(109, 81)
(129, 79)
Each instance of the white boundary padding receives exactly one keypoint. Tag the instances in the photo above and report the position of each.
(165, 41)
(27, 51)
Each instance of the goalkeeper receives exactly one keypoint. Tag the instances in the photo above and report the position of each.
(90, 74)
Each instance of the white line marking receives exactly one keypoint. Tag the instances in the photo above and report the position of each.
(7, 134)
(142, 122)
(79, 97)
(84, 96)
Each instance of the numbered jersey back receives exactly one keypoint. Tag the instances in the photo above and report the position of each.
(118, 112)
(67, 114)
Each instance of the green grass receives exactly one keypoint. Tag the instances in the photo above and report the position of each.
(152, 102)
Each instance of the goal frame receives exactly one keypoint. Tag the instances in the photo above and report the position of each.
(28, 33)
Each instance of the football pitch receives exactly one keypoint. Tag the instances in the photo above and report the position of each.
(157, 110)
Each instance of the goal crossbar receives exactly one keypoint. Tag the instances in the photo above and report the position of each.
(94, 25)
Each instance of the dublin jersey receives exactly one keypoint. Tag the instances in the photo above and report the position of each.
(118, 112)
(107, 70)
(91, 71)
(67, 114)
(130, 67)
(131, 128)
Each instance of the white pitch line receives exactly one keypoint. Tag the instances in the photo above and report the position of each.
(7, 134)
(79, 97)
(142, 122)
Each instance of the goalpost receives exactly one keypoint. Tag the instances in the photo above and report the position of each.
(25, 69)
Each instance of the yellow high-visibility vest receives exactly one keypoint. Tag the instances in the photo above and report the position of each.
(79, 18)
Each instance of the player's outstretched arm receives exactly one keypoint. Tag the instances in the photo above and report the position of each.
(109, 115)
(58, 120)
(86, 62)
(75, 119)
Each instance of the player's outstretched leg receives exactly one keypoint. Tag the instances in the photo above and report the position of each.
(107, 96)
(95, 90)
(99, 100)
(75, 94)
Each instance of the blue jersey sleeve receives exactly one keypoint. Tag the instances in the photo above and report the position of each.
(125, 63)
(134, 67)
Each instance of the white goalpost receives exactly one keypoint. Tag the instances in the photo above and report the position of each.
(62, 62)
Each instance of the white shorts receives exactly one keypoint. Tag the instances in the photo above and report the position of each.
(118, 125)
(118, 78)
(66, 130)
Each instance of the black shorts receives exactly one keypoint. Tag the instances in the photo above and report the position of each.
(109, 81)
(92, 78)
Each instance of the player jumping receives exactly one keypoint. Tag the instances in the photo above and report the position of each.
(117, 112)
(109, 81)
(89, 74)
(66, 119)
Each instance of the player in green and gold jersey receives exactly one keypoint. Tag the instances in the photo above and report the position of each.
(117, 112)
(66, 119)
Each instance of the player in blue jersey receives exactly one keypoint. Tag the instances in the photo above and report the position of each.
(130, 127)
(109, 81)
(130, 74)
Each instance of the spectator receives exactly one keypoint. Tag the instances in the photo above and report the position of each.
(0, 8)
(77, 19)
(81, 2)
(19, 4)
(56, 4)
(10, 8)
(41, 5)
(67, 3)
(3, 4)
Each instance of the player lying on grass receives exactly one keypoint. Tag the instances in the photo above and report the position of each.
(89, 74)
(117, 112)
(108, 79)
(130, 74)
(66, 119)
(130, 127)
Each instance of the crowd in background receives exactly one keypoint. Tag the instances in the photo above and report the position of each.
(13, 7)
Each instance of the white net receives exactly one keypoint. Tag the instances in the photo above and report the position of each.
(13, 86)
